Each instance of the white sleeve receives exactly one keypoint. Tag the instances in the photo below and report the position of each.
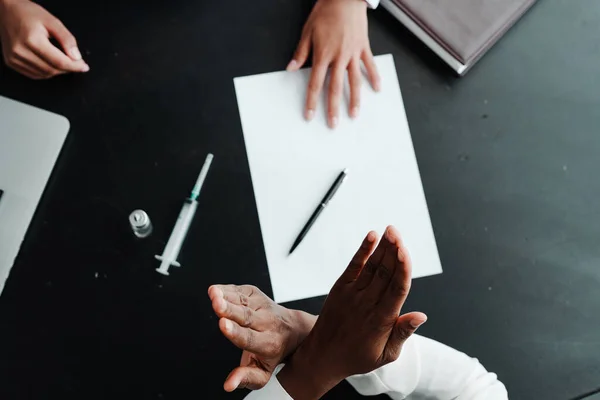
(272, 390)
(427, 369)
(372, 3)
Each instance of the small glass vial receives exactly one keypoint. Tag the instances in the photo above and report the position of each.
(140, 223)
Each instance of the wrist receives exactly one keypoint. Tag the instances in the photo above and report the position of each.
(304, 377)
(304, 324)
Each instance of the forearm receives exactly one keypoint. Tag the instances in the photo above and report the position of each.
(293, 379)
(429, 369)
(302, 376)
(297, 380)
(302, 379)
(451, 373)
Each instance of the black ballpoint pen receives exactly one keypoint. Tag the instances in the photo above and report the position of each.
(330, 193)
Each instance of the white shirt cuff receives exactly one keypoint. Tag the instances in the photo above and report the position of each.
(397, 379)
(372, 3)
(271, 391)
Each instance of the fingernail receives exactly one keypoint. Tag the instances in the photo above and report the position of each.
(417, 322)
(85, 68)
(229, 329)
(75, 53)
(310, 114)
(371, 236)
(333, 122)
(292, 65)
(388, 234)
(354, 112)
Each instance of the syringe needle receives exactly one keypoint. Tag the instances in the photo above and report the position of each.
(171, 252)
(201, 177)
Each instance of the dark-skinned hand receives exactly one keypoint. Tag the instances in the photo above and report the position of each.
(360, 328)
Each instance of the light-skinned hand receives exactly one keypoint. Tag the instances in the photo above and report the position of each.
(337, 33)
(360, 328)
(264, 330)
(25, 32)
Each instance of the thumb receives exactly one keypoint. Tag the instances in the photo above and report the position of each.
(66, 39)
(301, 54)
(252, 378)
(405, 326)
(246, 359)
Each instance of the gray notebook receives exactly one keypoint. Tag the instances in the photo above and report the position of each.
(460, 31)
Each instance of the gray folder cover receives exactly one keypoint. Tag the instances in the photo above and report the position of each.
(465, 28)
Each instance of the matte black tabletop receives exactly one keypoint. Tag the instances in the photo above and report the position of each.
(509, 158)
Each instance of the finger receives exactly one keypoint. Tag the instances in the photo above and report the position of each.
(243, 315)
(301, 54)
(245, 295)
(214, 291)
(246, 338)
(246, 359)
(26, 69)
(386, 268)
(369, 62)
(354, 79)
(252, 378)
(360, 258)
(235, 294)
(30, 58)
(56, 58)
(367, 273)
(315, 85)
(246, 290)
(336, 86)
(397, 291)
(404, 327)
(64, 37)
(239, 297)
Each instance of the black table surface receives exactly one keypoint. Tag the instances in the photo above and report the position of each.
(508, 157)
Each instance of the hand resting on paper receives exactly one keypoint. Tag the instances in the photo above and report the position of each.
(362, 308)
(337, 33)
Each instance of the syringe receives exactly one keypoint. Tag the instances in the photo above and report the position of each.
(171, 252)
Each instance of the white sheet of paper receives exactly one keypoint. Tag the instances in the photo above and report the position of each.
(294, 162)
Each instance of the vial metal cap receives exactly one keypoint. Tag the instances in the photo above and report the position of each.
(140, 223)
